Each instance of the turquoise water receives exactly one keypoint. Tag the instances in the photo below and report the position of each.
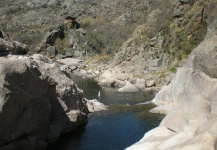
(115, 129)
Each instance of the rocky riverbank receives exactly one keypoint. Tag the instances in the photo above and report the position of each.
(134, 45)
(189, 102)
(38, 100)
(117, 41)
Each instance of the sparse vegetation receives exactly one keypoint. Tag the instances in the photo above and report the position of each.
(108, 28)
(172, 69)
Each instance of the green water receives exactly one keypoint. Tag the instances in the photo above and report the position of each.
(115, 129)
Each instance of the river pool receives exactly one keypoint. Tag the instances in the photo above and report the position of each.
(123, 124)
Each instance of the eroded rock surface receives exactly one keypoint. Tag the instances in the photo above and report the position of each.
(190, 104)
(38, 102)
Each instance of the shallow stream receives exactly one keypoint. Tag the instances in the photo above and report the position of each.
(115, 129)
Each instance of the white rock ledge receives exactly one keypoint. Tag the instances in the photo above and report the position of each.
(190, 102)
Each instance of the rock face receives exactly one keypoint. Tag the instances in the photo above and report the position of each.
(38, 102)
(190, 104)
(8, 45)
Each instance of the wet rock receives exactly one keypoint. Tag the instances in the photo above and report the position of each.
(94, 105)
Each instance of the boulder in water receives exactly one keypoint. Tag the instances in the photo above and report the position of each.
(128, 88)
(94, 105)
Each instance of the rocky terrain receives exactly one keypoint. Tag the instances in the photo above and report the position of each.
(189, 103)
(117, 41)
(135, 45)
(38, 100)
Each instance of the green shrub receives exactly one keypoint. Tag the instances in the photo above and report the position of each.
(62, 43)
(172, 69)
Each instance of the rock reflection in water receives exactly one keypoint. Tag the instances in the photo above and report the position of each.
(114, 129)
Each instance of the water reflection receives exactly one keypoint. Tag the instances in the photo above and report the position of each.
(115, 129)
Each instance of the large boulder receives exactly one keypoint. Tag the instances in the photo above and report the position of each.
(190, 104)
(38, 102)
(107, 78)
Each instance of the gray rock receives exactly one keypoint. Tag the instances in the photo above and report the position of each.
(128, 88)
(69, 52)
(51, 51)
(190, 104)
(53, 34)
(140, 83)
(94, 105)
(150, 83)
(73, 37)
(211, 29)
(70, 62)
(121, 76)
(119, 83)
(155, 63)
(77, 54)
(35, 95)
